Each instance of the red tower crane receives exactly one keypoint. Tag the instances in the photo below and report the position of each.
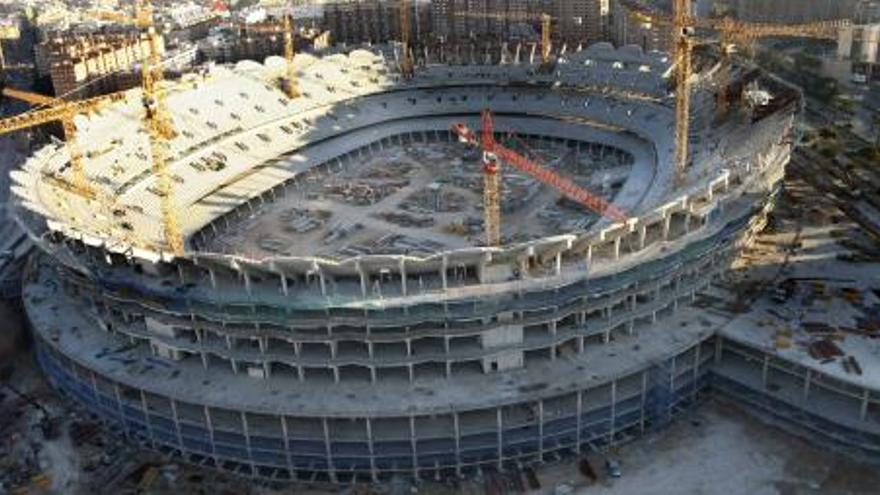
(494, 153)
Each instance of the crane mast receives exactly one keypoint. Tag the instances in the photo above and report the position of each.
(406, 62)
(545, 19)
(55, 110)
(157, 120)
(683, 47)
(292, 89)
(495, 153)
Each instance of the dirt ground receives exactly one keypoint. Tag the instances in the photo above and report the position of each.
(718, 449)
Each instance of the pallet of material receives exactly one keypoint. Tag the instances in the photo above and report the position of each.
(824, 349)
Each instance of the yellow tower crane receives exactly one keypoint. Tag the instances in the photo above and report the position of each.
(287, 30)
(157, 119)
(546, 25)
(732, 32)
(55, 110)
(735, 34)
(407, 67)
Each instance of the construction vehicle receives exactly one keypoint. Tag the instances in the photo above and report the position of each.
(54, 110)
(286, 29)
(157, 119)
(545, 19)
(494, 154)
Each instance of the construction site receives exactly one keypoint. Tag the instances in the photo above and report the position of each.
(349, 268)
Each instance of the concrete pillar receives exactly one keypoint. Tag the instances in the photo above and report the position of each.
(558, 263)
(643, 235)
(443, 267)
(696, 372)
(374, 473)
(284, 289)
(328, 451)
(402, 266)
(643, 401)
(413, 446)
(285, 433)
(247, 282)
(209, 422)
(863, 410)
(499, 432)
(807, 379)
(667, 224)
(176, 418)
(247, 438)
(613, 418)
(589, 257)
(579, 410)
(118, 398)
(457, 428)
(149, 424)
(617, 241)
(541, 430)
(363, 277)
(765, 368)
(322, 282)
(213, 278)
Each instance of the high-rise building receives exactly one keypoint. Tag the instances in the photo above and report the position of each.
(83, 65)
(373, 21)
(788, 11)
(574, 21)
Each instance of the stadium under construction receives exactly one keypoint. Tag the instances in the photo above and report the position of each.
(336, 314)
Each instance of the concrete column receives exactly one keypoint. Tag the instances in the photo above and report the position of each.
(118, 397)
(149, 424)
(541, 430)
(413, 446)
(322, 282)
(283, 285)
(457, 428)
(807, 379)
(402, 276)
(180, 274)
(863, 410)
(247, 282)
(210, 424)
(372, 450)
(589, 257)
(444, 266)
(617, 242)
(285, 433)
(363, 277)
(696, 373)
(643, 235)
(579, 408)
(499, 430)
(765, 368)
(613, 419)
(213, 278)
(176, 423)
(644, 400)
(559, 263)
(667, 224)
(328, 451)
